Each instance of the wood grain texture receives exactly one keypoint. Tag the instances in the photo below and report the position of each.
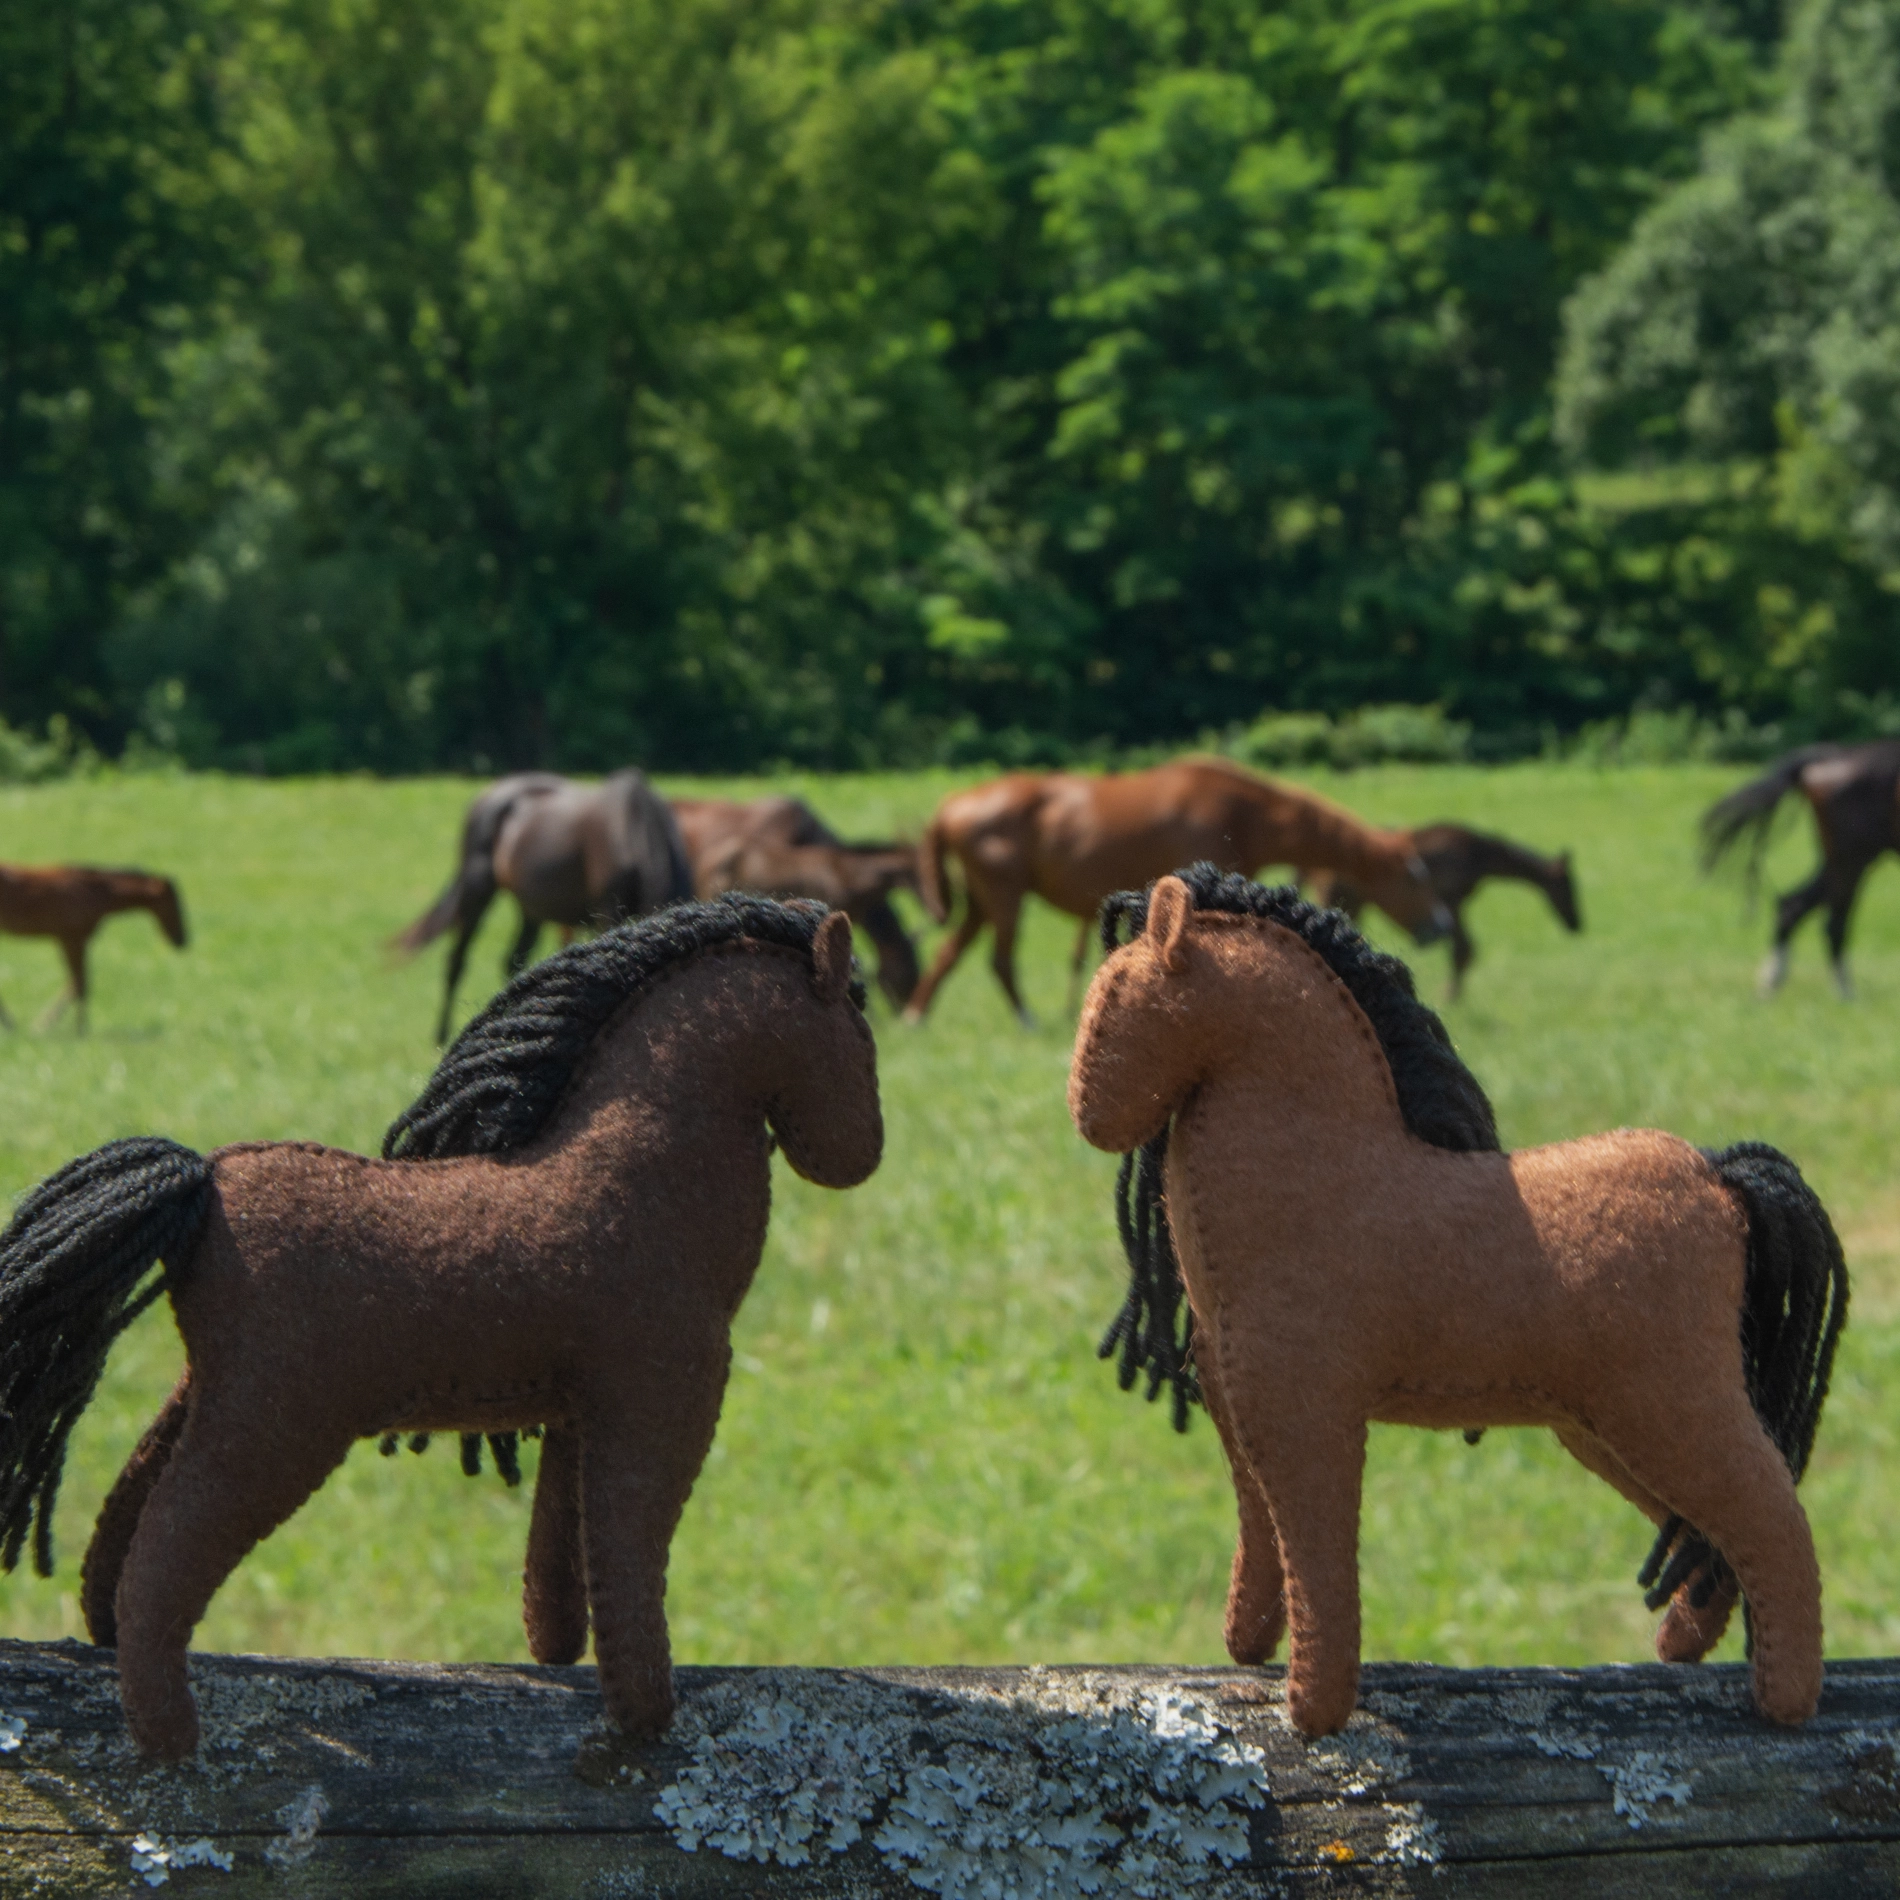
(374, 1779)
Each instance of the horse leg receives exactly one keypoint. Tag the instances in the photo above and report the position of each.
(119, 1516)
(6, 1018)
(228, 1484)
(1076, 960)
(1256, 1590)
(1790, 909)
(554, 1592)
(637, 1466)
(452, 974)
(525, 939)
(1686, 1634)
(1005, 916)
(74, 952)
(1720, 1469)
(1843, 886)
(1464, 953)
(965, 934)
(1313, 1490)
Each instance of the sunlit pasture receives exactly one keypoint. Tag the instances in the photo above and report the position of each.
(921, 1459)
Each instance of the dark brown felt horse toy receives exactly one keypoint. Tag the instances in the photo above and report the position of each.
(1354, 1246)
(558, 1236)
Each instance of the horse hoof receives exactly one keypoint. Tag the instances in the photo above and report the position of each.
(1772, 974)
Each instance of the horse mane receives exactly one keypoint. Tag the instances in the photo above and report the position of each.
(502, 1076)
(1440, 1100)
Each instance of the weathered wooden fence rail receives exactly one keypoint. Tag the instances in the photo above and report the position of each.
(373, 1779)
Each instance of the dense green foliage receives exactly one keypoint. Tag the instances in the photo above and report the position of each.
(1748, 339)
(921, 1459)
(500, 381)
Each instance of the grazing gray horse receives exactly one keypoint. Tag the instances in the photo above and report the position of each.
(572, 855)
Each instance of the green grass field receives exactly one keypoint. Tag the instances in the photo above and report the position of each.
(921, 1459)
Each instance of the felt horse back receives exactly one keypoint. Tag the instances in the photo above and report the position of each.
(558, 1236)
(1354, 1246)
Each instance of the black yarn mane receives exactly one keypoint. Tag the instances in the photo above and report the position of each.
(1440, 1100)
(503, 1075)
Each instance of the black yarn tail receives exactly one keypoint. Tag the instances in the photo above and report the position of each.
(71, 1263)
(1154, 1331)
(1794, 1303)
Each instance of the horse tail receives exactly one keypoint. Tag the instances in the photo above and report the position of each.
(933, 883)
(1751, 808)
(1794, 1302)
(70, 1266)
(475, 869)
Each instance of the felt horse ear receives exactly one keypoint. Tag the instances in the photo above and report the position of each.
(831, 957)
(1169, 908)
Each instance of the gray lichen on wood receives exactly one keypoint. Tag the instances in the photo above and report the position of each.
(371, 1779)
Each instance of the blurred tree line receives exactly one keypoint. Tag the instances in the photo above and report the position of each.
(718, 382)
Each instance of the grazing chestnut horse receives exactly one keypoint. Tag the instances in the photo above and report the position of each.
(1854, 793)
(1457, 861)
(558, 1236)
(573, 855)
(69, 902)
(1072, 841)
(780, 847)
(1354, 1246)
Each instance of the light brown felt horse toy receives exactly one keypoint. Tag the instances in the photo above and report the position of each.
(558, 1236)
(1354, 1246)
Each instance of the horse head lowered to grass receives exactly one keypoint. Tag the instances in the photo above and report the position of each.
(558, 1236)
(1353, 1246)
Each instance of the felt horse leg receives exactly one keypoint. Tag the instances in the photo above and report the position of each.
(1256, 1591)
(226, 1487)
(1686, 1634)
(1313, 1479)
(1720, 1469)
(119, 1516)
(554, 1592)
(637, 1466)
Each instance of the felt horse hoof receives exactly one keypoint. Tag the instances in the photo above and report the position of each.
(1687, 1634)
(1789, 1697)
(1249, 1648)
(1321, 1712)
(167, 1732)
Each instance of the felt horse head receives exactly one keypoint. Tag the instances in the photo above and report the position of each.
(1311, 1164)
(556, 1239)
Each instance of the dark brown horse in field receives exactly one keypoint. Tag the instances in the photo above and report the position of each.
(1073, 841)
(1457, 861)
(1851, 790)
(68, 902)
(573, 855)
(780, 847)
